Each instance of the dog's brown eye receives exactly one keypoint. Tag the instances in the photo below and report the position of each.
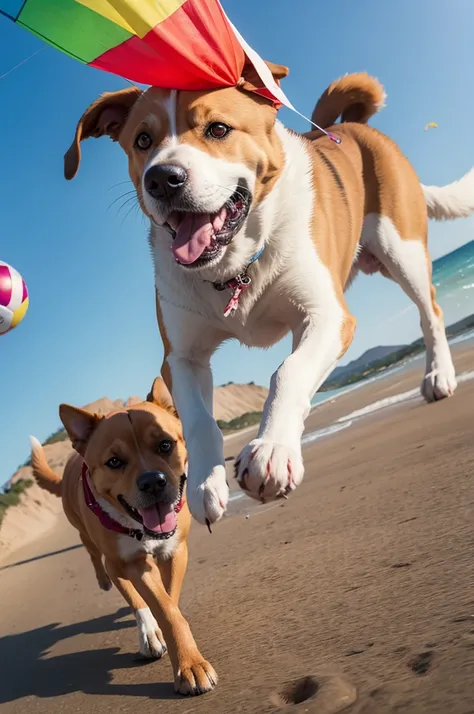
(217, 130)
(143, 141)
(165, 446)
(115, 463)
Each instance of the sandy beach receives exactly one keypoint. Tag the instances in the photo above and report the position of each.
(361, 584)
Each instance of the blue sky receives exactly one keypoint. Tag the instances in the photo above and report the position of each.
(90, 330)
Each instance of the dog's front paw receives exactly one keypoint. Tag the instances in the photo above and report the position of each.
(439, 384)
(265, 470)
(208, 501)
(150, 638)
(195, 676)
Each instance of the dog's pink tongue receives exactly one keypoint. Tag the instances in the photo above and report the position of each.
(193, 235)
(160, 518)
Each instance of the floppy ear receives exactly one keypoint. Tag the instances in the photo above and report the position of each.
(160, 396)
(251, 81)
(79, 425)
(106, 115)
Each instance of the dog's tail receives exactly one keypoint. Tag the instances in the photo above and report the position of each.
(43, 473)
(354, 97)
(456, 200)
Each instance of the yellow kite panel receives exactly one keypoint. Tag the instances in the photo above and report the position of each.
(135, 16)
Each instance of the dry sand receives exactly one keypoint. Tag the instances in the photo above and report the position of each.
(363, 581)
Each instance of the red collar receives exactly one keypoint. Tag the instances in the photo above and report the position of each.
(110, 523)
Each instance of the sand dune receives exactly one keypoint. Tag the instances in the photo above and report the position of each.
(233, 400)
(230, 401)
(35, 514)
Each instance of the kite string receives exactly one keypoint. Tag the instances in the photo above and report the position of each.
(329, 134)
(2, 76)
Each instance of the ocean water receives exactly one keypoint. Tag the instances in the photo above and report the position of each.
(453, 277)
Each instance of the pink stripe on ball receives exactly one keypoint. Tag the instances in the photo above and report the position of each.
(5, 285)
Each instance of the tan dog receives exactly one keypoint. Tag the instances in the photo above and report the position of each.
(124, 492)
(256, 232)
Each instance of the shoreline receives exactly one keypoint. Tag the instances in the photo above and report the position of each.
(404, 374)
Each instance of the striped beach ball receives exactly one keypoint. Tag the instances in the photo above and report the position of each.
(13, 298)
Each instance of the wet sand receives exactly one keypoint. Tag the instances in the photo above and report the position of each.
(361, 584)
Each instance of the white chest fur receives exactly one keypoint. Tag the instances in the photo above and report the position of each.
(130, 548)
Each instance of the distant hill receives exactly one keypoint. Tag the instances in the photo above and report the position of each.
(106, 405)
(230, 401)
(361, 363)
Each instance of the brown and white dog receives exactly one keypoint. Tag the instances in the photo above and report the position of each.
(124, 491)
(221, 180)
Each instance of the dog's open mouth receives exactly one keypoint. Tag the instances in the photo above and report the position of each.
(199, 237)
(158, 519)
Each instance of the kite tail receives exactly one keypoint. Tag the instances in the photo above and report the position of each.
(456, 200)
(354, 98)
(44, 475)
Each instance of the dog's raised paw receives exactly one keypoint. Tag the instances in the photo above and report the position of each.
(266, 470)
(208, 502)
(196, 677)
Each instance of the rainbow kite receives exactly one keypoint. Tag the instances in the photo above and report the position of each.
(176, 44)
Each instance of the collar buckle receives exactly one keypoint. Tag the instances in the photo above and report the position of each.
(243, 279)
(241, 282)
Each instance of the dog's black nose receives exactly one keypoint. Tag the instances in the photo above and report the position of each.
(152, 481)
(164, 179)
